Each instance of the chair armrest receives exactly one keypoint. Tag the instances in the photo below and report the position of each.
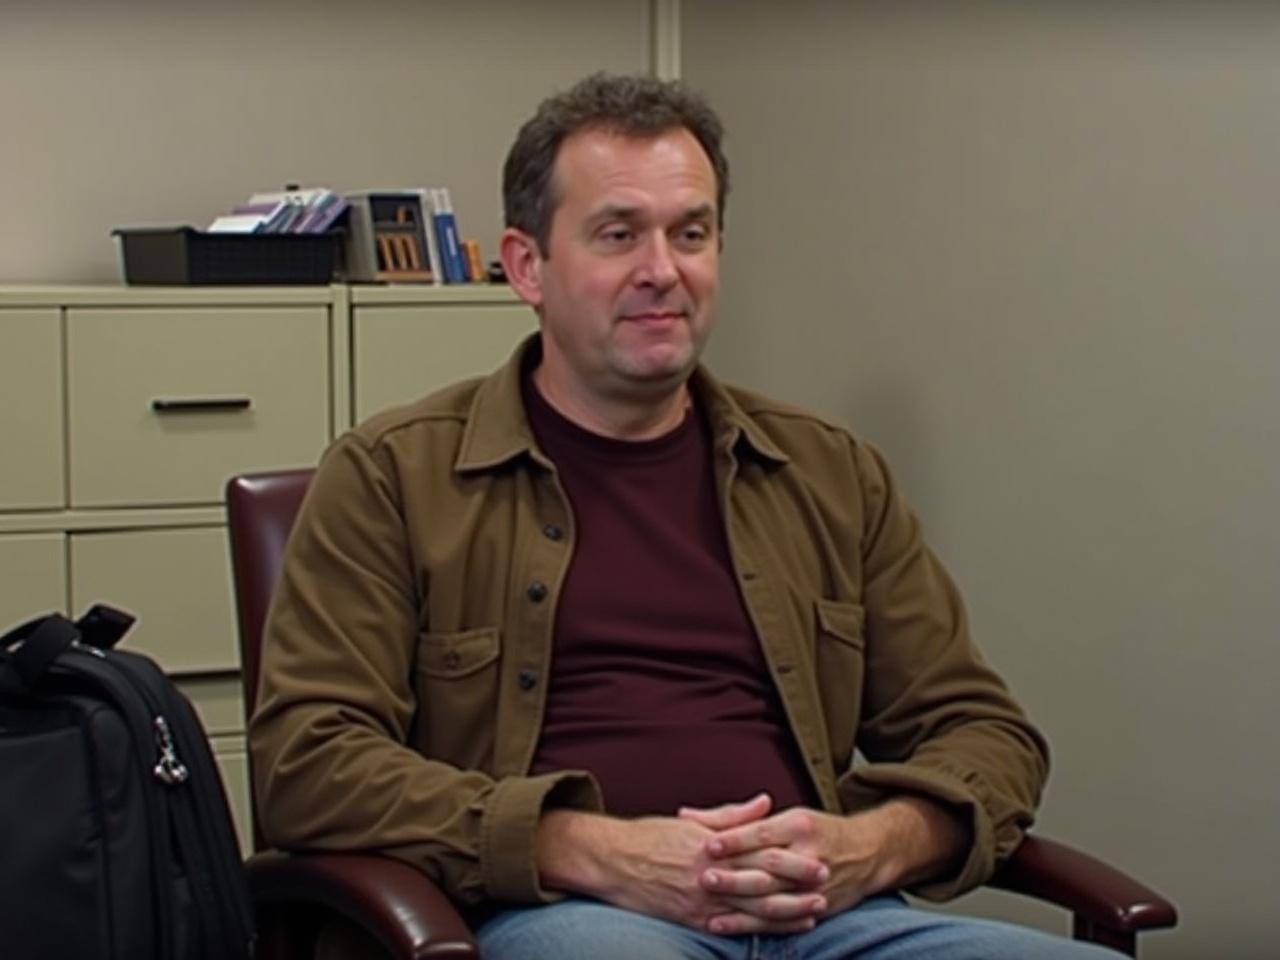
(1090, 889)
(396, 903)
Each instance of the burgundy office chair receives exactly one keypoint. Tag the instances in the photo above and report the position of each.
(295, 894)
(292, 893)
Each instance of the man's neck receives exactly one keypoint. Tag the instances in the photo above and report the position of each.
(618, 419)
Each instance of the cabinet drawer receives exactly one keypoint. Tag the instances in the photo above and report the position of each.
(218, 702)
(176, 582)
(31, 409)
(33, 571)
(165, 404)
(401, 353)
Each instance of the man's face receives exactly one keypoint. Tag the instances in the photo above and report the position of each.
(627, 292)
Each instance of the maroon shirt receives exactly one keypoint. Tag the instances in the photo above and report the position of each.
(658, 684)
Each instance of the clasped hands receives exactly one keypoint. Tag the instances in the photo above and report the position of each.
(737, 869)
(770, 874)
(742, 869)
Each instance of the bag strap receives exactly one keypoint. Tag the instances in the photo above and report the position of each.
(42, 641)
(102, 626)
(33, 647)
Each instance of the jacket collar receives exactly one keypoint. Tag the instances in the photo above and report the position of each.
(497, 428)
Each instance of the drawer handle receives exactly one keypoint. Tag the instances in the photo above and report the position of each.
(200, 404)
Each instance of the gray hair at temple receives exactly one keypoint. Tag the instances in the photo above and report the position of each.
(633, 106)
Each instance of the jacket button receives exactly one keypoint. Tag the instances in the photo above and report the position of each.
(537, 591)
(527, 679)
(452, 659)
(552, 532)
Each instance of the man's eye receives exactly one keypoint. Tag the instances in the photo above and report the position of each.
(616, 234)
(694, 236)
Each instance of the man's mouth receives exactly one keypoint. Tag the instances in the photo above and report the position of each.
(654, 317)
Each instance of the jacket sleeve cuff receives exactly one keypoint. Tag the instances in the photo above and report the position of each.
(509, 829)
(870, 785)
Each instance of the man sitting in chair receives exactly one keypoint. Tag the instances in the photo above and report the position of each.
(591, 641)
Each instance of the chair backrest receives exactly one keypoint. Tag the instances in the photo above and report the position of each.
(261, 508)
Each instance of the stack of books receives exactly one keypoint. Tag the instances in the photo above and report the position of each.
(292, 210)
(460, 260)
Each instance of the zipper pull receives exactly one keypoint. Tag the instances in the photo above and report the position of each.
(170, 769)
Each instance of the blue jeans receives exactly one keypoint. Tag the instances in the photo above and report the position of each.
(882, 928)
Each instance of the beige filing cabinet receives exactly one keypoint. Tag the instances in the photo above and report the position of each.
(32, 484)
(407, 341)
(123, 410)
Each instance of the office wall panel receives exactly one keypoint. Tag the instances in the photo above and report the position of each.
(1031, 251)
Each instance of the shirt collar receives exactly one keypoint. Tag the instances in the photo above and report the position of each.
(731, 425)
(498, 431)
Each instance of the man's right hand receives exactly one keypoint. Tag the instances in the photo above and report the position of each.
(654, 866)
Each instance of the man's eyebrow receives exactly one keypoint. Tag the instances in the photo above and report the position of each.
(614, 211)
(621, 211)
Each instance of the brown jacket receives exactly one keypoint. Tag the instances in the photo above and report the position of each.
(408, 646)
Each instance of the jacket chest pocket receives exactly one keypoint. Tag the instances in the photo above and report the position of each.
(456, 682)
(839, 648)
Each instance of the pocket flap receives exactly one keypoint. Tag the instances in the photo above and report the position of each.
(449, 655)
(844, 621)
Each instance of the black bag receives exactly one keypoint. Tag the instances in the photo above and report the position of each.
(115, 836)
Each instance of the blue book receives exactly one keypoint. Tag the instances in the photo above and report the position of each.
(446, 227)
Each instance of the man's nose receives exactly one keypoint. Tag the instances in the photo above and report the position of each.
(658, 265)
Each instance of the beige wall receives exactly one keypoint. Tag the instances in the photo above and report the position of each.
(128, 112)
(1035, 256)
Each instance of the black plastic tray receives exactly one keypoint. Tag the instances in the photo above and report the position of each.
(186, 256)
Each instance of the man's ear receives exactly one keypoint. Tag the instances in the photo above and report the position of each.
(522, 262)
